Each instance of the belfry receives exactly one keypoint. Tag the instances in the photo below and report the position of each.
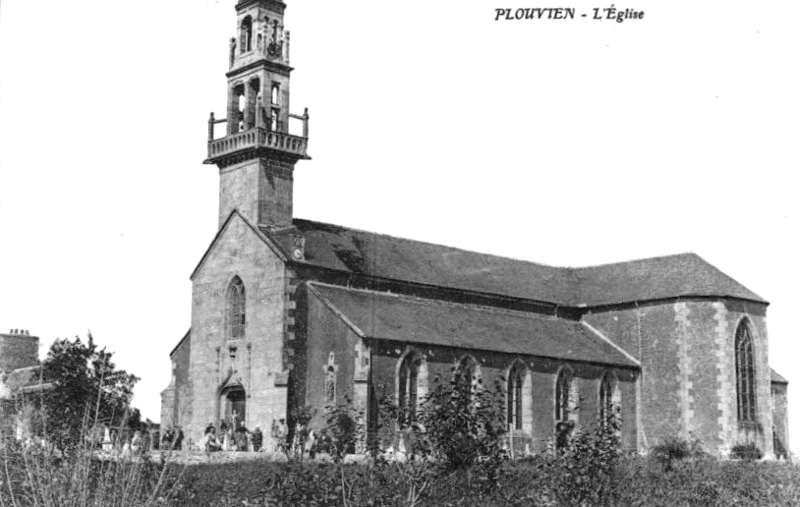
(256, 157)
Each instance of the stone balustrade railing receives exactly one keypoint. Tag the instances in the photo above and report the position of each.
(255, 138)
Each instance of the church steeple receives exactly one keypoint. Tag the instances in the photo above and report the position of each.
(256, 156)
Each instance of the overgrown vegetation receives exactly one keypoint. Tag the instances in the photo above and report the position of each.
(50, 449)
(748, 452)
(451, 450)
(634, 482)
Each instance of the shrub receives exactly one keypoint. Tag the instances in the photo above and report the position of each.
(462, 424)
(581, 471)
(675, 448)
(747, 452)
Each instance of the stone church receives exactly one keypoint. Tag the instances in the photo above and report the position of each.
(290, 313)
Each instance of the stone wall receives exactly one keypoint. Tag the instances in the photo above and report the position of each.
(780, 419)
(494, 367)
(238, 189)
(688, 378)
(330, 343)
(258, 362)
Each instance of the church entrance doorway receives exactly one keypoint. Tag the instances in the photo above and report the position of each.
(234, 407)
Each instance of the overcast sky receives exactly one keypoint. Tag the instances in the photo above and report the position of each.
(562, 142)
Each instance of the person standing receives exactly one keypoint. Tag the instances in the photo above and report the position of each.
(258, 439)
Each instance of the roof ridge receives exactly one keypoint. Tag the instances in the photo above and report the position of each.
(440, 245)
(640, 259)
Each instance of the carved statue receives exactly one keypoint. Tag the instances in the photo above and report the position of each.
(232, 54)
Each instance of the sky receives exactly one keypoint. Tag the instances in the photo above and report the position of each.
(564, 142)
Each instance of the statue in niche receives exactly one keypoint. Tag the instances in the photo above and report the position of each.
(232, 53)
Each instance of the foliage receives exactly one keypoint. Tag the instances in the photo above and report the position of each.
(32, 476)
(675, 448)
(461, 423)
(581, 472)
(634, 481)
(342, 429)
(299, 419)
(748, 452)
(88, 390)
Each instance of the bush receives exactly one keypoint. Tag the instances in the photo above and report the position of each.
(747, 452)
(462, 423)
(674, 449)
(580, 472)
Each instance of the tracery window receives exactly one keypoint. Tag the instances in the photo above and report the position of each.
(516, 378)
(745, 374)
(408, 381)
(564, 387)
(607, 399)
(236, 308)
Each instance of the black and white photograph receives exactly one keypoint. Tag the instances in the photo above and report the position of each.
(306, 253)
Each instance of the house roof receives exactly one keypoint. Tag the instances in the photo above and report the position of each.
(777, 378)
(366, 253)
(381, 315)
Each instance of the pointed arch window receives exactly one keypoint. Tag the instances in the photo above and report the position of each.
(236, 308)
(330, 368)
(745, 374)
(516, 379)
(564, 388)
(330, 385)
(608, 398)
(469, 372)
(408, 386)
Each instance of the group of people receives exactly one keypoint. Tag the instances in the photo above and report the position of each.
(240, 438)
(231, 439)
(172, 439)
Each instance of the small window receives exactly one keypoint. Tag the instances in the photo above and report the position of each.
(276, 89)
(246, 35)
(330, 385)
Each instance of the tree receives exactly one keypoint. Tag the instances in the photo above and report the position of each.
(88, 391)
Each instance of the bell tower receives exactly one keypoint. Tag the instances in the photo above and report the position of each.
(257, 154)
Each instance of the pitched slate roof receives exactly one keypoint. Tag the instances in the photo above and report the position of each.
(367, 253)
(416, 320)
(656, 278)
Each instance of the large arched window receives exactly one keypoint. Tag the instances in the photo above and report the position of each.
(608, 398)
(408, 386)
(469, 372)
(236, 308)
(516, 379)
(745, 374)
(565, 403)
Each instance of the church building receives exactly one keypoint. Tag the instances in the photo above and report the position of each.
(288, 312)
